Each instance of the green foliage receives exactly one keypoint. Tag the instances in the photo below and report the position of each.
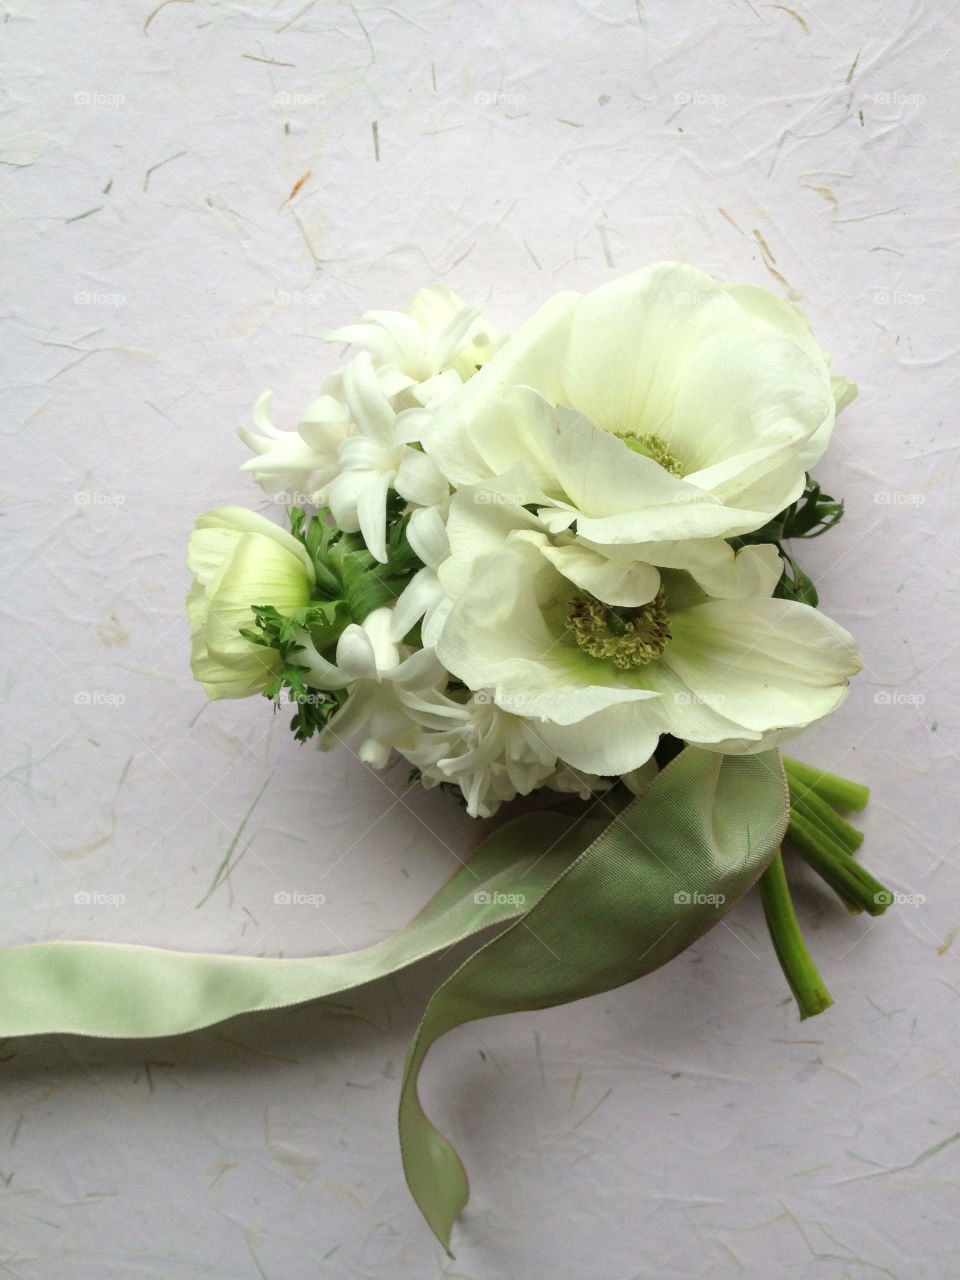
(812, 514)
(350, 584)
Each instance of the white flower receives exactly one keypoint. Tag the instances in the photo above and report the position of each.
(297, 463)
(661, 407)
(240, 559)
(384, 681)
(424, 597)
(491, 755)
(600, 683)
(427, 351)
(625, 575)
(376, 457)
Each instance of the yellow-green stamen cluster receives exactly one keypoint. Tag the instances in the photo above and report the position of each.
(652, 446)
(628, 638)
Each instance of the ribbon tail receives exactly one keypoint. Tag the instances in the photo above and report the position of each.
(661, 874)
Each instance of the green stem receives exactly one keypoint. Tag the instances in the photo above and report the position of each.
(857, 887)
(835, 790)
(817, 811)
(808, 987)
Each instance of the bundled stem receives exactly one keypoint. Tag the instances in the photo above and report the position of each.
(840, 792)
(826, 842)
(809, 989)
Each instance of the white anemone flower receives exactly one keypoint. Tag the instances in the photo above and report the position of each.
(599, 683)
(384, 682)
(660, 407)
(426, 352)
(629, 575)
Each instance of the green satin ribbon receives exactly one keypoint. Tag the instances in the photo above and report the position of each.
(661, 874)
(588, 905)
(124, 991)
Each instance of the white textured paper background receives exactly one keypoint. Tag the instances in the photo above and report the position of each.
(158, 276)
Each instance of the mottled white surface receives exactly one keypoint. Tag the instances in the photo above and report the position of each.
(159, 276)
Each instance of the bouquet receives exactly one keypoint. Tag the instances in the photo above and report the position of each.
(562, 560)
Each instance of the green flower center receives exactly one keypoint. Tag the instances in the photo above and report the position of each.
(626, 637)
(652, 446)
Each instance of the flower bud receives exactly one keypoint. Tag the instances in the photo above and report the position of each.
(240, 559)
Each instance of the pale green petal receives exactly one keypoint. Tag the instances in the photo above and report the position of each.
(624, 582)
(612, 741)
(260, 572)
(843, 391)
(720, 571)
(764, 663)
(243, 521)
(207, 549)
(466, 453)
(742, 392)
(477, 528)
(633, 341)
